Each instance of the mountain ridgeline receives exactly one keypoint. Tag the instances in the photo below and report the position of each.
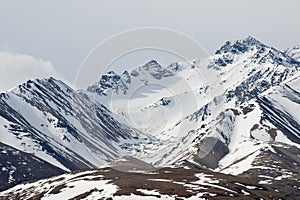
(250, 129)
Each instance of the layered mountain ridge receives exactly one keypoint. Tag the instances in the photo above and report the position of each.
(63, 127)
(235, 113)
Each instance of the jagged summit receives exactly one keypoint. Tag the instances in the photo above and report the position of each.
(111, 81)
(250, 50)
(240, 46)
(155, 70)
(151, 63)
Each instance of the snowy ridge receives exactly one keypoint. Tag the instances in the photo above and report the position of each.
(294, 52)
(224, 128)
(52, 121)
(234, 113)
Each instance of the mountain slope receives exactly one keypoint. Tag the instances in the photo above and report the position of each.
(17, 167)
(63, 127)
(221, 121)
(280, 106)
(294, 52)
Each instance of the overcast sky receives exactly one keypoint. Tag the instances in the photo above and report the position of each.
(62, 32)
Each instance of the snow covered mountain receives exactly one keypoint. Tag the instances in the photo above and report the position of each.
(220, 116)
(233, 115)
(63, 127)
(253, 117)
(294, 52)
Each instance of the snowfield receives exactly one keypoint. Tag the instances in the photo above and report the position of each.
(233, 114)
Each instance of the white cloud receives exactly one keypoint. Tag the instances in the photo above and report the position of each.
(18, 68)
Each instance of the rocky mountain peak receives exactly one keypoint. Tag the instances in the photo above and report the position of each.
(240, 46)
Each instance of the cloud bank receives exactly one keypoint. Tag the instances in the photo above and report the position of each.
(18, 68)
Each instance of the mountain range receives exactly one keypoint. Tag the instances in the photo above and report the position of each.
(220, 127)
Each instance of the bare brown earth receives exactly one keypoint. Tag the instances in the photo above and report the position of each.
(129, 182)
(278, 178)
(181, 183)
